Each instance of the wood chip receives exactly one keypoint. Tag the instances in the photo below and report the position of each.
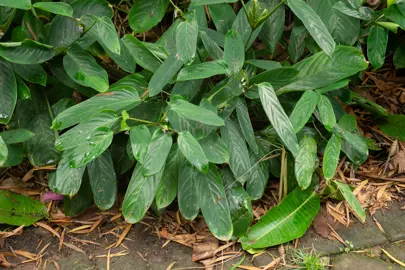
(48, 228)
(123, 235)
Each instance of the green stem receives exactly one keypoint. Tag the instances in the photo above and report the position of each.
(177, 8)
(274, 10)
(142, 121)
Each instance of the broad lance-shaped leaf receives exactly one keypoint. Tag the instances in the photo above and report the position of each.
(214, 204)
(67, 179)
(210, 2)
(351, 200)
(83, 199)
(8, 92)
(20, 4)
(98, 8)
(20, 210)
(273, 27)
(215, 149)
(277, 77)
(140, 194)
(186, 38)
(214, 51)
(164, 74)
(394, 126)
(223, 16)
(331, 156)
(104, 31)
(167, 189)
(377, 46)
(278, 117)
(203, 70)
(26, 52)
(84, 70)
(157, 153)
(314, 25)
(285, 222)
(192, 150)
(3, 152)
(145, 14)
(103, 181)
(303, 110)
(187, 194)
(140, 138)
(234, 51)
(238, 152)
(31, 73)
(195, 113)
(16, 135)
(326, 113)
(59, 8)
(305, 162)
(115, 101)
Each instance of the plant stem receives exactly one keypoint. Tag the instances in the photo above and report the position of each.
(274, 10)
(177, 8)
(142, 121)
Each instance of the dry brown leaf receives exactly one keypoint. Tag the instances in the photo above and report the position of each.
(378, 225)
(170, 266)
(248, 267)
(71, 246)
(79, 228)
(48, 228)
(18, 230)
(273, 264)
(204, 250)
(56, 265)
(123, 235)
(26, 254)
(30, 173)
(83, 241)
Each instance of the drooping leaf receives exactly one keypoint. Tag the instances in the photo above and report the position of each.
(31, 73)
(186, 38)
(187, 194)
(192, 150)
(164, 74)
(351, 200)
(303, 110)
(240, 207)
(363, 13)
(103, 181)
(377, 45)
(146, 14)
(278, 117)
(20, 210)
(245, 124)
(67, 179)
(273, 27)
(26, 52)
(21, 4)
(59, 8)
(287, 221)
(140, 138)
(73, 206)
(326, 113)
(16, 135)
(215, 149)
(8, 92)
(331, 156)
(157, 153)
(234, 51)
(203, 70)
(305, 162)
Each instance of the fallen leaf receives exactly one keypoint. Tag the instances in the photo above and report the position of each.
(71, 246)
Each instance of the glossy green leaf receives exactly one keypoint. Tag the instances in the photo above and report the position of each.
(394, 126)
(394, 14)
(103, 181)
(125, 59)
(326, 112)
(297, 41)
(23, 92)
(73, 206)
(26, 52)
(3, 151)
(264, 64)
(305, 162)
(33, 27)
(31, 73)
(214, 204)
(15, 156)
(187, 194)
(145, 14)
(16, 135)
(20, 210)
(59, 8)
(213, 49)
(6, 17)
(331, 156)
(8, 92)
(238, 152)
(314, 25)
(203, 70)
(157, 153)
(85, 110)
(140, 194)
(245, 124)
(164, 74)
(61, 105)
(215, 149)
(186, 38)
(399, 57)
(234, 51)
(20, 4)
(363, 13)
(277, 77)
(67, 179)
(222, 16)
(273, 27)
(209, 2)
(285, 222)
(278, 117)
(105, 33)
(192, 150)
(240, 207)
(351, 200)
(84, 70)
(140, 138)
(98, 8)
(377, 45)
(304, 109)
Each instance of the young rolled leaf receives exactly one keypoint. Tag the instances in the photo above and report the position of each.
(145, 14)
(326, 113)
(234, 51)
(157, 153)
(304, 109)
(331, 156)
(186, 38)
(8, 92)
(377, 46)
(59, 8)
(305, 162)
(187, 194)
(285, 222)
(140, 138)
(351, 200)
(215, 149)
(193, 151)
(246, 125)
(203, 70)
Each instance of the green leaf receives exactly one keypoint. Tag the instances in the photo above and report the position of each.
(87, 109)
(240, 207)
(20, 4)
(164, 74)
(15, 155)
(187, 194)
(140, 194)
(214, 204)
(157, 153)
(273, 27)
(8, 92)
(395, 15)
(195, 113)
(20, 210)
(186, 38)
(61, 105)
(105, 33)
(23, 92)
(304, 109)
(31, 73)
(167, 189)
(16, 135)
(277, 77)
(125, 60)
(3, 151)
(394, 126)
(59, 8)
(285, 222)
(351, 200)
(73, 206)
(26, 52)
(297, 41)
(80, 133)
(245, 124)
(98, 8)
(314, 25)
(222, 16)
(209, 2)
(192, 150)
(278, 117)
(84, 70)
(67, 179)
(377, 45)
(326, 113)
(234, 51)
(363, 13)
(305, 162)
(63, 32)
(140, 138)
(103, 181)
(214, 51)
(215, 149)
(331, 156)
(399, 57)
(145, 14)
(203, 70)
(6, 17)
(264, 64)
(238, 152)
